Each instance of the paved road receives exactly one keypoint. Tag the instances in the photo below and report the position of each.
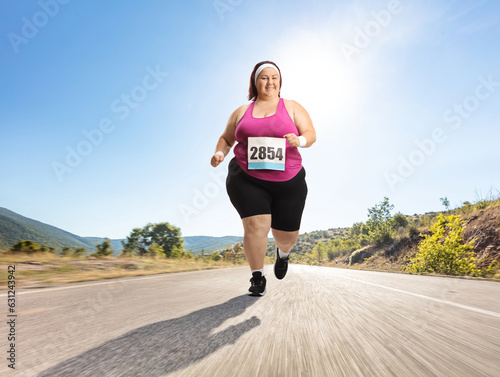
(316, 322)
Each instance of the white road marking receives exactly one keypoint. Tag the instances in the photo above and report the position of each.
(113, 281)
(19, 291)
(466, 307)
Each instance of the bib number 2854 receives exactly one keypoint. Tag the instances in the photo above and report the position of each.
(266, 153)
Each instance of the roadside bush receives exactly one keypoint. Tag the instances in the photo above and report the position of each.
(467, 208)
(331, 255)
(29, 247)
(481, 204)
(215, 256)
(413, 231)
(65, 251)
(78, 251)
(425, 221)
(103, 249)
(399, 221)
(442, 251)
(380, 235)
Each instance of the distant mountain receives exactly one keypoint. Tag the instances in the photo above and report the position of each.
(14, 228)
(207, 243)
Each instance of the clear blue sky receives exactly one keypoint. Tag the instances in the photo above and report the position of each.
(110, 111)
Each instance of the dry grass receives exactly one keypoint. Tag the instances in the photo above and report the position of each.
(46, 269)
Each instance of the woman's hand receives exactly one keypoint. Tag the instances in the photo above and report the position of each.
(217, 158)
(293, 139)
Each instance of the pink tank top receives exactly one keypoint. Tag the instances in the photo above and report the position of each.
(275, 125)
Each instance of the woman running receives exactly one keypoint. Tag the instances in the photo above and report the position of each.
(266, 180)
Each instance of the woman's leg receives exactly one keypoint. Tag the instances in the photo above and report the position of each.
(255, 239)
(285, 240)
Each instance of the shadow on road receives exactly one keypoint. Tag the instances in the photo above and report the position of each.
(161, 347)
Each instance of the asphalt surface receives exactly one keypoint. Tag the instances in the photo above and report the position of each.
(316, 322)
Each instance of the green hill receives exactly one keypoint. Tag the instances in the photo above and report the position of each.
(14, 227)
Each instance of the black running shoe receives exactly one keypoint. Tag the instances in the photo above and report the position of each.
(281, 265)
(258, 287)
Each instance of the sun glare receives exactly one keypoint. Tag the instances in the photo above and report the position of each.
(320, 79)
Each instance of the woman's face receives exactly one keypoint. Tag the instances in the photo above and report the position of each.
(268, 83)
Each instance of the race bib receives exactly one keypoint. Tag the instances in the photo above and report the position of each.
(266, 153)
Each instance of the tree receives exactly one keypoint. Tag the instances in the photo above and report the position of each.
(379, 217)
(319, 252)
(445, 202)
(167, 236)
(104, 248)
(135, 243)
(357, 229)
(442, 251)
(380, 212)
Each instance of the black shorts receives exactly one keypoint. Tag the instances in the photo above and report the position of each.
(284, 201)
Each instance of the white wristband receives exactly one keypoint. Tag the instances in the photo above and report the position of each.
(220, 152)
(303, 141)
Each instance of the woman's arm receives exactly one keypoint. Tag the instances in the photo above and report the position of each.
(304, 125)
(227, 139)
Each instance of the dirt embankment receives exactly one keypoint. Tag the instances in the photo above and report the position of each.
(483, 225)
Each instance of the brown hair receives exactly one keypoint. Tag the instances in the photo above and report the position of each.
(252, 89)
